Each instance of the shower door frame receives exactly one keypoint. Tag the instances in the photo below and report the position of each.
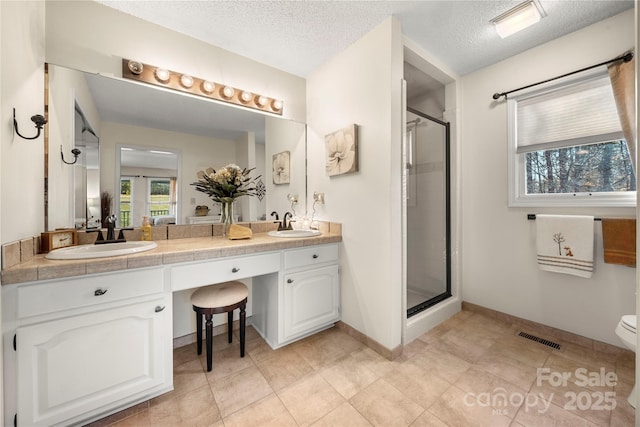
(411, 311)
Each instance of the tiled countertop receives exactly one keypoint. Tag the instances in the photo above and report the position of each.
(167, 252)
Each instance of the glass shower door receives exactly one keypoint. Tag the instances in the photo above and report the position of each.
(428, 236)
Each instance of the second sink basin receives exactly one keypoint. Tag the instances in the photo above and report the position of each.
(294, 233)
(101, 251)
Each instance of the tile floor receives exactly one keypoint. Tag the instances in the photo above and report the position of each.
(471, 370)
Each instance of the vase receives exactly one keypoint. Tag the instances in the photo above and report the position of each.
(226, 217)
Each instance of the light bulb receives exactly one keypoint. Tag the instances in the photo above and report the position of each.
(227, 92)
(135, 67)
(207, 87)
(186, 81)
(262, 101)
(162, 75)
(277, 105)
(245, 96)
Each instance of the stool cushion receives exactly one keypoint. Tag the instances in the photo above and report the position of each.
(219, 295)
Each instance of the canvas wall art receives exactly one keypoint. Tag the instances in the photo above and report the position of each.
(342, 151)
(281, 167)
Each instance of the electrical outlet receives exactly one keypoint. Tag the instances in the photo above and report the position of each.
(192, 201)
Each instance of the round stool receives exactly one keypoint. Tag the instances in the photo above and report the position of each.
(220, 298)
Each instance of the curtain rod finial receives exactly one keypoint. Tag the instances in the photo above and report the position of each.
(497, 95)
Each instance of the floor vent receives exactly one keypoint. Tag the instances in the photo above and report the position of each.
(540, 340)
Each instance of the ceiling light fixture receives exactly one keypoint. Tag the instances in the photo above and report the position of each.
(518, 18)
(187, 83)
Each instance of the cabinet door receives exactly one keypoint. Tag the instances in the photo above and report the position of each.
(74, 365)
(311, 300)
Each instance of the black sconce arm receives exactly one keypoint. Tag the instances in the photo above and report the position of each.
(39, 121)
(75, 153)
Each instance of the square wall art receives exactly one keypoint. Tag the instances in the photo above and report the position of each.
(342, 151)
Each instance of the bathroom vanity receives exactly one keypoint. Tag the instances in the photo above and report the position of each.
(80, 347)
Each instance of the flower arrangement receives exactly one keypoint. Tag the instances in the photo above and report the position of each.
(226, 184)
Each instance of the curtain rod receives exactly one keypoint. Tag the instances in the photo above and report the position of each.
(532, 217)
(626, 58)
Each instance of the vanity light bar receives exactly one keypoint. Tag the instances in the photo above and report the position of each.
(163, 77)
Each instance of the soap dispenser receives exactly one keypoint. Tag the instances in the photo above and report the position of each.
(146, 228)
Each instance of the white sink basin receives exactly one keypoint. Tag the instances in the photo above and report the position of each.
(101, 251)
(294, 233)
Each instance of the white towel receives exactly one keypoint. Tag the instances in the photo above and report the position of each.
(565, 244)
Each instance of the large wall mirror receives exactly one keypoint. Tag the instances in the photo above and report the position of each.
(152, 143)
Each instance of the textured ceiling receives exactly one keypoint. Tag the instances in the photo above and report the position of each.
(299, 36)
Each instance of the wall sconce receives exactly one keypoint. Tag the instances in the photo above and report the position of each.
(38, 119)
(75, 153)
(169, 79)
(293, 199)
(318, 198)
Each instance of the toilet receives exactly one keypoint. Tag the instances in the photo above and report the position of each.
(626, 330)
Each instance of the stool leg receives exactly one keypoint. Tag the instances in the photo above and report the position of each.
(230, 325)
(209, 326)
(199, 330)
(243, 318)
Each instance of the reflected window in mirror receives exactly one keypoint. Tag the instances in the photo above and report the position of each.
(148, 180)
(124, 211)
(161, 200)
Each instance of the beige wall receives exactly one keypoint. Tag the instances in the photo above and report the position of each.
(362, 85)
(499, 265)
(22, 88)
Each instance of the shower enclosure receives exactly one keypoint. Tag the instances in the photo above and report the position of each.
(427, 208)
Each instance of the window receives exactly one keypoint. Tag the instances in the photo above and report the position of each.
(161, 196)
(125, 201)
(567, 147)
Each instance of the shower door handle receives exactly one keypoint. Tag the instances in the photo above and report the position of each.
(410, 149)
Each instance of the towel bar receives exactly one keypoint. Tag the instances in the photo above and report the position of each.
(532, 217)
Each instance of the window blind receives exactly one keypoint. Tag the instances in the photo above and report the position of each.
(580, 114)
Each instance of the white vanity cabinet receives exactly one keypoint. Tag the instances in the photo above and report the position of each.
(86, 346)
(305, 299)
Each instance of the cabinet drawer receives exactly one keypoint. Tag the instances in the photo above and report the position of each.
(211, 272)
(310, 256)
(52, 296)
